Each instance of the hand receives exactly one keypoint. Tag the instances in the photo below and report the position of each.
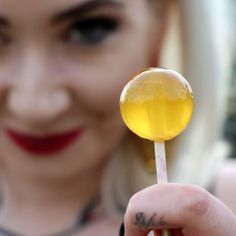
(186, 210)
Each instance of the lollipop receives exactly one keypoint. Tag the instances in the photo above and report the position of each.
(157, 105)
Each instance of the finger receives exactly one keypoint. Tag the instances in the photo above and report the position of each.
(173, 206)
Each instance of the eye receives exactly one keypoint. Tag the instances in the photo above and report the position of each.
(91, 31)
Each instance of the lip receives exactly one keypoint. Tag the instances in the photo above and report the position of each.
(47, 144)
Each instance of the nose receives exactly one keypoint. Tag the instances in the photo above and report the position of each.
(34, 95)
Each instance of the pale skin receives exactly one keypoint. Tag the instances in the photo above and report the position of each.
(185, 210)
(54, 77)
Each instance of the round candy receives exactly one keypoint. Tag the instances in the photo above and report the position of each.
(157, 104)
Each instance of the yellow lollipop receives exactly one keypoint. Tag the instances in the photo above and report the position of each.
(157, 105)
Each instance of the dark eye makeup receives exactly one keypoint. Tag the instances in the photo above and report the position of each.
(91, 31)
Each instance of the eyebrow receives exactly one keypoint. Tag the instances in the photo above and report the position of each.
(84, 8)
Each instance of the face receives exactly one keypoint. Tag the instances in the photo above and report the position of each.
(63, 65)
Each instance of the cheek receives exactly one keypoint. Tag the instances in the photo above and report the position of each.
(7, 70)
(104, 136)
(97, 85)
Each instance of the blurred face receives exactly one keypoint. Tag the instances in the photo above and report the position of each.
(63, 65)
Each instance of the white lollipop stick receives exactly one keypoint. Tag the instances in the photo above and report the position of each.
(160, 156)
(161, 170)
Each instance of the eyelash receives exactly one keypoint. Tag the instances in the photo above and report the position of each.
(91, 31)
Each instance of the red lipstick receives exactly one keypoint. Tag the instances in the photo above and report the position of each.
(47, 144)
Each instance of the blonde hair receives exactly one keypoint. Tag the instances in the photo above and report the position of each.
(197, 153)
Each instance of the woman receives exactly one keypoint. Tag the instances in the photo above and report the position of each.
(63, 65)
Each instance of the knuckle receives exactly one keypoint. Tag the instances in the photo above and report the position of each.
(197, 200)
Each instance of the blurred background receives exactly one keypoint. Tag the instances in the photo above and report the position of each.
(230, 125)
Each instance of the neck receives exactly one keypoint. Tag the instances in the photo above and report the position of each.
(35, 206)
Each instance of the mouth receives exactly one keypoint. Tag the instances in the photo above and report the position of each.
(46, 144)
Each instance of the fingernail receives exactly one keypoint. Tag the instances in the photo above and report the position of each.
(122, 230)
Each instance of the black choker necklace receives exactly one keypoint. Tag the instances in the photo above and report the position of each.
(84, 219)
